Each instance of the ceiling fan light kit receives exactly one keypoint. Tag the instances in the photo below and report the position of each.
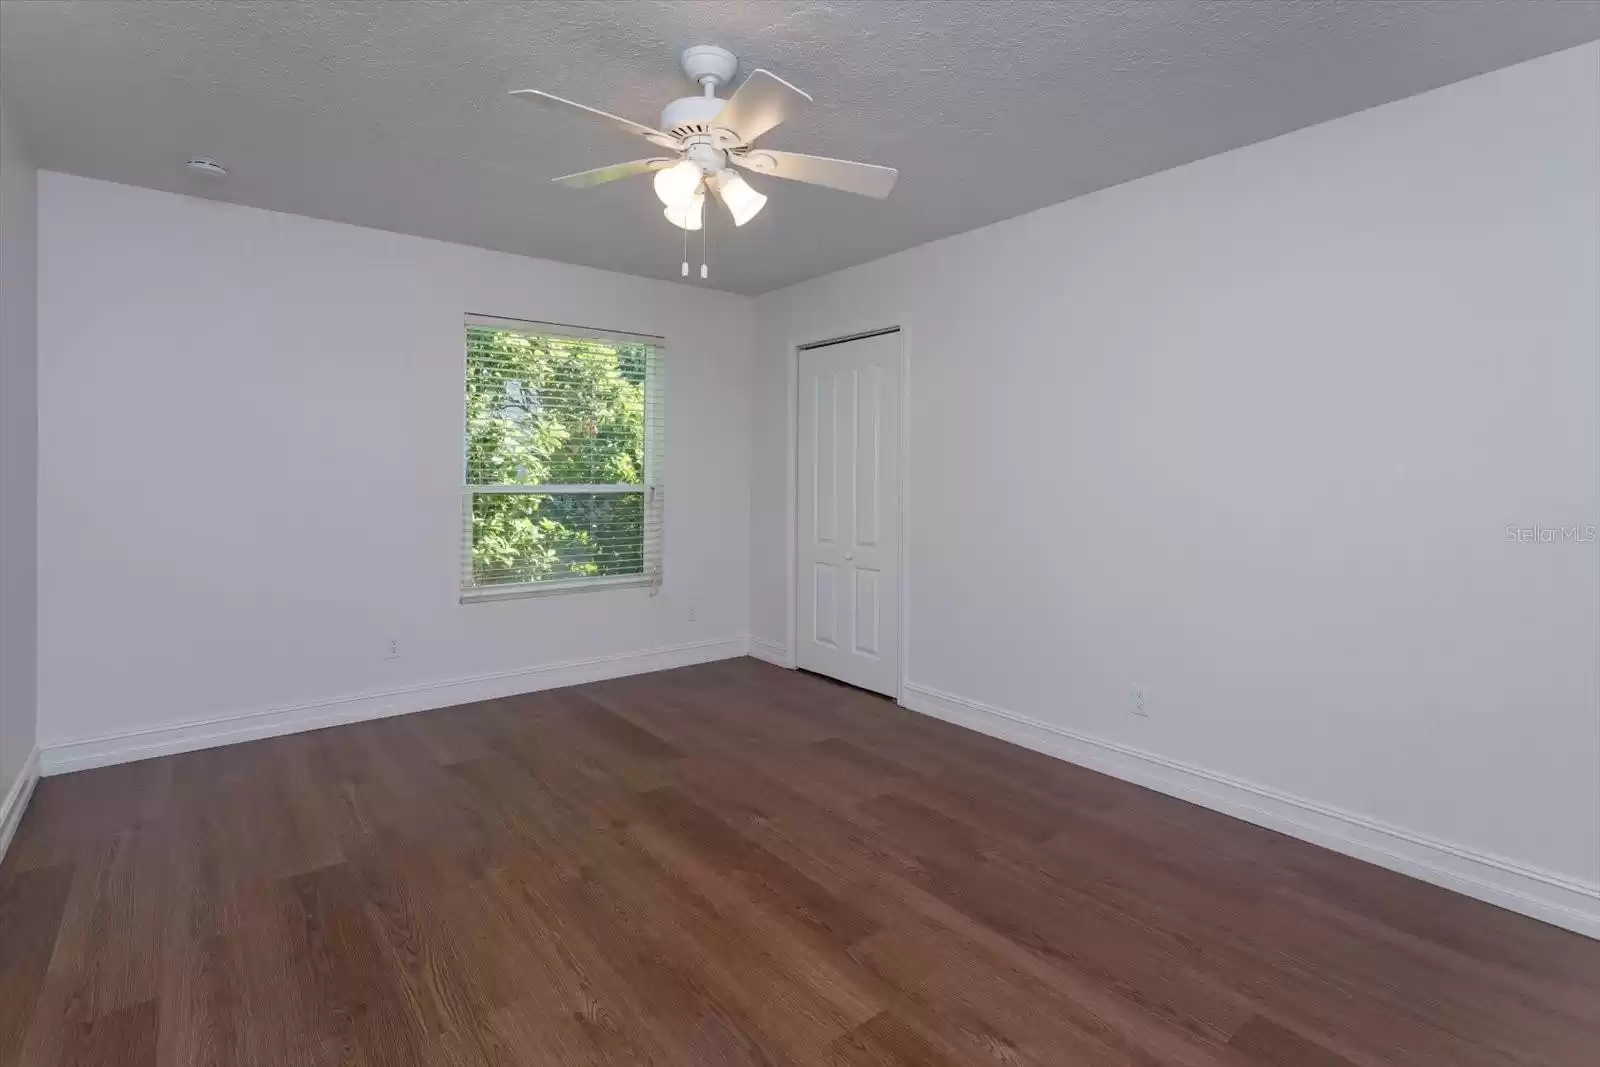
(709, 136)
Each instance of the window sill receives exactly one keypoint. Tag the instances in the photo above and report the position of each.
(560, 588)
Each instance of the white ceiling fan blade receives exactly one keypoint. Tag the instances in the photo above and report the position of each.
(867, 179)
(616, 122)
(600, 175)
(763, 101)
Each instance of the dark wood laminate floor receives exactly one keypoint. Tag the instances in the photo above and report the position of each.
(727, 864)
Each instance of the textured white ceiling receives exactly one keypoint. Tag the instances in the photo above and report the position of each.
(394, 115)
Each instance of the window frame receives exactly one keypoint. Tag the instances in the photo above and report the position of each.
(652, 548)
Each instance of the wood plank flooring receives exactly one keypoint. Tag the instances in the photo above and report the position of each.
(727, 864)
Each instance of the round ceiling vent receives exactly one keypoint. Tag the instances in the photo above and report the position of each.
(206, 166)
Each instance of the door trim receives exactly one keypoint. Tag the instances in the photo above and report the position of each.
(864, 328)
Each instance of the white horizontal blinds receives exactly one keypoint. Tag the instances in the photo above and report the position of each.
(562, 458)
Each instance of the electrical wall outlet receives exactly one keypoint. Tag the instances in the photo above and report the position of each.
(693, 614)
(1137, 699)
(391, 648)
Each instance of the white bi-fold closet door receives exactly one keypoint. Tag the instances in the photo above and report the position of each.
(848, 577)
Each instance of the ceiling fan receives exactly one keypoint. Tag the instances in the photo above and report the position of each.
(708, 137)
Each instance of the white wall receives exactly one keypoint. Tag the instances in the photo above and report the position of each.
(1250, 432)
(18, 456)
(250, 455)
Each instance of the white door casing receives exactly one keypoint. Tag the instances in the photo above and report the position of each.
(848, 573)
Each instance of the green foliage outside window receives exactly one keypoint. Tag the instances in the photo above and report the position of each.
(554, 411)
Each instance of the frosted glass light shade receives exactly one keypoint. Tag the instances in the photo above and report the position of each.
(689, 215)
(743, 202)
(678, 183)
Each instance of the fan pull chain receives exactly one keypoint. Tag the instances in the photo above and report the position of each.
(685, 271)
(705, 224)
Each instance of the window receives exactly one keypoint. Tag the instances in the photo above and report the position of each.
(562, 464)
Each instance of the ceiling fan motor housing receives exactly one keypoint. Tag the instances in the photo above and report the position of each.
(690, 115)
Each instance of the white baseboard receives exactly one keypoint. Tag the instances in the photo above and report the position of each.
(771, 651)
(59, 757)
(16, 801)
(1552, 898)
